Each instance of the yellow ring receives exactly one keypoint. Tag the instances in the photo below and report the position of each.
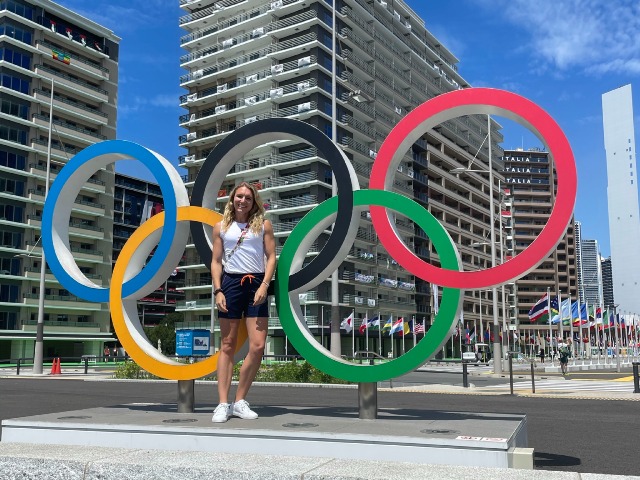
(171, 370)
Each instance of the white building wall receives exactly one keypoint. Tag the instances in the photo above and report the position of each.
(622, 194)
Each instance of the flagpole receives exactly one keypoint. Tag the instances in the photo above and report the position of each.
(322, 325)
(353, 333)
(549, 309)
(589, 327)
(366, 330)
(379, 333)
(413, 322)
(391, 335)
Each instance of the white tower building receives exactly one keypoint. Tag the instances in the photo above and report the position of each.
(622, 195)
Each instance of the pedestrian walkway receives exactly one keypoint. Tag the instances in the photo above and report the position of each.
(561, 385)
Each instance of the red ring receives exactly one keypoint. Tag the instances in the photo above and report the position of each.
(478, 101)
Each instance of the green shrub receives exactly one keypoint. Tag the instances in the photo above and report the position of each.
(130, 369)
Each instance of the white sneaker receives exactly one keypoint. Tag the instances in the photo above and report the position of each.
(222, 413)
(241, 409)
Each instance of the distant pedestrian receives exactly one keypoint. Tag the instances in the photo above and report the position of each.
(565, 353)
(541, 354)
(107, 352)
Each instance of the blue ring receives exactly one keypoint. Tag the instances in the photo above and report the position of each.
(149, 160)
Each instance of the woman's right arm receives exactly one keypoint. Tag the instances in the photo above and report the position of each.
(216, 268)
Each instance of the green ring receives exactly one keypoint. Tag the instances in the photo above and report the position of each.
(320, 357)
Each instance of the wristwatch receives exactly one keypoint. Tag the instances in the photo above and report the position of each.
(217, 291)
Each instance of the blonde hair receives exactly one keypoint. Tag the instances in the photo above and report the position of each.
(256, 214)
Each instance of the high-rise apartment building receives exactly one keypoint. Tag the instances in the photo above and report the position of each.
(531, 179)
(263, 59)
(590, 281)
(622, 196)
(135, 201)
(43, 46)
(607, 283)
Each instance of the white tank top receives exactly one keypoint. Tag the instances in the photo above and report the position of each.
(249, 256)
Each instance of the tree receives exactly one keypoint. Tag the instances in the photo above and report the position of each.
(165, 331)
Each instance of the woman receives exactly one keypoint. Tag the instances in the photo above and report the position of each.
(245, 241)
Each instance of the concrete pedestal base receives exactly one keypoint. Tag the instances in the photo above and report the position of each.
(416, 436)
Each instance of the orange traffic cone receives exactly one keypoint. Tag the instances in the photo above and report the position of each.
(53, 367)
(58, 369)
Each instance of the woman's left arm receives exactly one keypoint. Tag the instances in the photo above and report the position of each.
(270, 265)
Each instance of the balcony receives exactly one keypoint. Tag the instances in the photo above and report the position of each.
(68, 105)
(85, 66)
(287, 48)
(286, 26)
(61, 79)
(61, 302)
(78, 133)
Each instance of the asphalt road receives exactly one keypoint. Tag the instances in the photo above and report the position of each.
(587, 436)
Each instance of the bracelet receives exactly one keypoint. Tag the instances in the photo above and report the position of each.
(217, 291)
(265, 283)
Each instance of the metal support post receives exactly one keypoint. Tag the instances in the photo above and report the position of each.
(18, 367)
(86, 365)
(533, 380)
(368, 400)
(511, 373)
(186, 396)
(636, 378)
(465, 375)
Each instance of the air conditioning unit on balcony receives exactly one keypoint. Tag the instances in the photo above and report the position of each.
(191, 136)
(304, 107)
(251, 78)
(257, 32)
(250, 101)
(221, 88)
(250, 119)
(192, 97)
(276, 92)
(276, 69)
(228, 43)
(221, 109)
(189, 159)
(304, 61)
(197, 74)
(302, 86)
(275, 5)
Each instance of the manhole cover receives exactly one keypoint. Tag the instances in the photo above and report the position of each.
(439, 431)
(75, 417)
(180, 420)
(300, 425)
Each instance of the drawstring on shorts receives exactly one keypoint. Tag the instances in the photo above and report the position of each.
(247, 277)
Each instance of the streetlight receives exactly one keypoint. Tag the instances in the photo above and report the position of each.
(497, 350)
(38, 352)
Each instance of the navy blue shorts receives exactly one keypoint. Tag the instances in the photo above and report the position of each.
(239, 290)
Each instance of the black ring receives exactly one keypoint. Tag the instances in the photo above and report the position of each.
(241, 141)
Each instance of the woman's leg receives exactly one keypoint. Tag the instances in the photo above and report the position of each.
(257, 330)
(229, 334)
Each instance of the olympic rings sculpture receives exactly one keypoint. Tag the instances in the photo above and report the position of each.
(132, 279)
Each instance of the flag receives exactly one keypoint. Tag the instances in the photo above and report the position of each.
(406, 329)
(418, 328)
(61, 56)
(397, 326)
(374, 323)
(347, 323)
(564, 314)
(364, 325)
(540, 311)
(387, 326)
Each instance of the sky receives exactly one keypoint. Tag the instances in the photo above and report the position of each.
(561, 54)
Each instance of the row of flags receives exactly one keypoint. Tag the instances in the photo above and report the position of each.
(390, 326)
(547, 310)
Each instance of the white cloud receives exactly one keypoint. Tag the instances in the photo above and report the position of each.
(598, 36)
